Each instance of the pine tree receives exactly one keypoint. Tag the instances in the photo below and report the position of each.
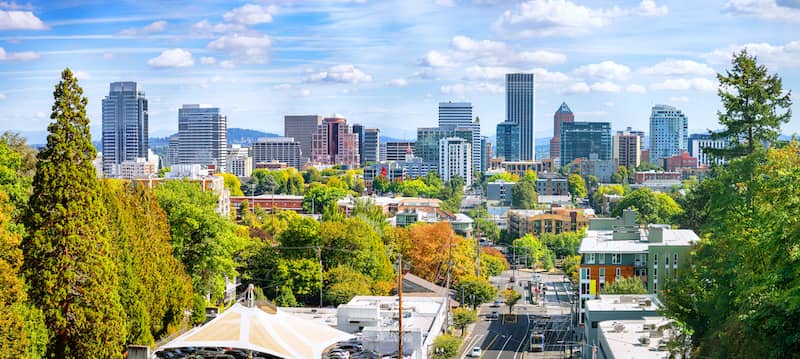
(752, 99)
(71, 276)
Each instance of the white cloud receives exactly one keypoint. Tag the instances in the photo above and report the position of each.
(12, 5)
(244, 48)
(699, 84)
(634, 88)
(448, 3)
(486, 72)
(774, 56)
(82, 75)
(108, 56)
(457, 89)
(208, 60)
(155, 27)
(304, 92)
(227, 64)
(577, 88)
(544, 76)
(608, 104)
(463, 43)
(679, 99)
(398, 82)
(345, 73)
(18, 56)
(763, 9)
(282, 87)
(609, 70)
(20, 20)
(543, 18)
(173, 58)
(436, 59)
(542, 57)
(649, 8)
(250, 14)
(204, 27)
(605, 86)
(3, 96)
(677, 67)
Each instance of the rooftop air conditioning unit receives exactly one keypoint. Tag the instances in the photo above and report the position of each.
(648, 326)
(644, 340)
(619, 327)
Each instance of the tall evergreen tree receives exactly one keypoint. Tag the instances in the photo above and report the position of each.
(71, 275)
(755, 106)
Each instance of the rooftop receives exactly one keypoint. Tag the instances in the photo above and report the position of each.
(622, 338)
(423, 310)
(623, 302)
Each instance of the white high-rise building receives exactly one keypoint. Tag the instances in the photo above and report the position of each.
(668, 132)
(239, 161)
(125, 121)
(280, 149)
(455, 159)
(698, 142)
(520, 99)
(459, 114)
(202, 136)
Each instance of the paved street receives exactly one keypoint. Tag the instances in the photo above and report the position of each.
(508, 336)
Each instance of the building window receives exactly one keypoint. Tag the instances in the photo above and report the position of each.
(655, 286)
(602, 258)
(585, 273)
(655, 260)
(675, 260)
(602, 273)
(616, 258)
(618, 272)
(591, 258)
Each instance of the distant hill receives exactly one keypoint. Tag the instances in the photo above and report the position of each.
(235, 135)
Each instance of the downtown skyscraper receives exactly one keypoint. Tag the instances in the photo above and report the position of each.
(563, 114)
(459, 114)
(202, 136)
(125, 121)
(669, 133)
(520, 96)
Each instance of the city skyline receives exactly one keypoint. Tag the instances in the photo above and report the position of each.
(259, 61)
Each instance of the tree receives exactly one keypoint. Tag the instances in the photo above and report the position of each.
(300, 276)
(355, 244)
(342, 283)
(319, 196)
(755, 106)
(380, 184)
(232, 184)
(12, 289)
(463, 317)
(492, 265)
(511, 297)
(72, 277)
(475, 291)
(653, 207)
(577, 186)
(533, 250)
(572, 265)
(445, 346)
(632, 285)
(523, 195)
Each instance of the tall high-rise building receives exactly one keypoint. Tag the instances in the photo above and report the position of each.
(459, 114)
(520, 98)
(698, 142)
(202, 136)
(372, 145)
(396, 150)
(334, 143)
(125, 121)
(627, 148)
(455, 159)
(427, 145)
(484, 157)
(668, 132)
(563, 114)
(583, 139)
(507, 138)
(300, 128)
(280, 149)
(172, 151)
(358, 129)
(239, 161)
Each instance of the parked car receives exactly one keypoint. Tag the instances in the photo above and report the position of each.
(475, 352)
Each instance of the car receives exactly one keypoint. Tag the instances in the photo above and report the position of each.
(475, 352)
(493, 315)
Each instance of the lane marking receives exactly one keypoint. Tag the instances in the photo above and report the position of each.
(504, 346)
(524, 337)
(488, 347)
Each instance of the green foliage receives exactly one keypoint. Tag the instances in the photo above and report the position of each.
(577, 186)
(511, 297)
(653, 207)
(503, 176)
(342, 283)
(319, 196)
(533, 251)
(563, 244)
(286, 298)
(622, 175)
(16, 174)
(202, 240)
(199, 304)
(451, 193)
(283, 181)
(523, 195)
(647, 166)
(381, 184)
(301, 276)
(155, 291)
(492, 266)
(476, 291)
(163, 172)
(632, 285)
(12, 290)
(67, 262)
(445, 346)
(232, 184)
(572, 265)
(755, 106)
(612, 189)
(355, 244)
(300, 232)
(463, 317)
(740, 295)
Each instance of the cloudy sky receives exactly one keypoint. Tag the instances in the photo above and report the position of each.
(387, 63)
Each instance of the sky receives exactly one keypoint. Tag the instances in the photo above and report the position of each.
(388, 63)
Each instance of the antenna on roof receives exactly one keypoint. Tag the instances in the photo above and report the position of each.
(250, 297)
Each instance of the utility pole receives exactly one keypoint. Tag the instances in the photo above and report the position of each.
(447, 284)
(400, 302)
(478, 244)
(319, 258)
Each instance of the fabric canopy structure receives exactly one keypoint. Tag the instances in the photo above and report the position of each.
(280, 334)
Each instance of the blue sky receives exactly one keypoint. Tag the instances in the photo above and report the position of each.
(387, 63)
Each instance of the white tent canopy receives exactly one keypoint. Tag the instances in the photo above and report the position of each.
(280, 334)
